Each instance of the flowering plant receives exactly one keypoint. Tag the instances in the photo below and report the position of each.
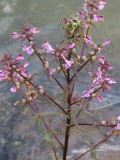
(64, 63)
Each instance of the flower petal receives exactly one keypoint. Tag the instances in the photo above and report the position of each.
(118, 126)
(118, 118)
(20, 57)
(13, 89)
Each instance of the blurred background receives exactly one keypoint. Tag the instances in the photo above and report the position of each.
(19, 138)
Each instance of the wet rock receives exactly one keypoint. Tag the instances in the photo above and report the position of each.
(8, 9)
(2, 141)
(17, 143)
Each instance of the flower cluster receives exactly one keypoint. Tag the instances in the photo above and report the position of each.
(76, 52)
(16, 73)
(92, 15)
(27, 32)
(68, 54)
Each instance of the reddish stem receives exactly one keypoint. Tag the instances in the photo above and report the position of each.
(95, 146)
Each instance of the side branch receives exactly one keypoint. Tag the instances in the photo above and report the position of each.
(95, 146)
(58, 105)
(93, 124)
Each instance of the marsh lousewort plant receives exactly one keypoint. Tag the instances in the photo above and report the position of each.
(63, 64)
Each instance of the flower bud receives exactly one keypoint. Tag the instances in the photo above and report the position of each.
(33, 93)
(79, 24)
(78, 57)
(28, 76)
(14, 66)
(88, 19)
(31, 43)
(39, 51)
(28, 93)
(14, 74)
(91, 53)
(58, 69)
(70, 24)
(23, 101)
(18, 86)
(103, 122)
(67, 23)
(46, 66)
(30, 98)
(93, 95)
(40, 87)
(94, 58)
(71, 33)
(21, 79)
(84, 58)
(33, 50)
(75, 25)
(63, 66)
(16, 103)
(17, 83)
(74, 51)
(41, 91)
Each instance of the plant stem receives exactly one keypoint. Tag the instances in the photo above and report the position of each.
(68, 121)
(95, 146)
(52, 133)
(67, 134)
(45, 94)
(96, 125)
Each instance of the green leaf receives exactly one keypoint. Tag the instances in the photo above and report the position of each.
(93, 153)
(37, 123)
(92, 150)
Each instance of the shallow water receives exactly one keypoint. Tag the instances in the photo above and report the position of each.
(46, 15)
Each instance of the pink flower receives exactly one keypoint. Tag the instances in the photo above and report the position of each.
(118, 118)
(101, 4)
(65, 20)
(52, 71)
(13, 89)
(88, 92)
(110, 80)
(106, 42)
(101, 59)
(48, 47)
(99, 98)
(25, 64)
(118, 125)
(29, 29)
(15, 35)
(68, 63)
(20, 57)
(2, 75)
(35, 30)
(81, 14)
(70, 46)
(27, 49)
(98, 18)
(84, 7)
(24, 72)
(99, 73)
(103, 64)
(89, 40)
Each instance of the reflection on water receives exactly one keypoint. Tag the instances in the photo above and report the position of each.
(15, 140)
